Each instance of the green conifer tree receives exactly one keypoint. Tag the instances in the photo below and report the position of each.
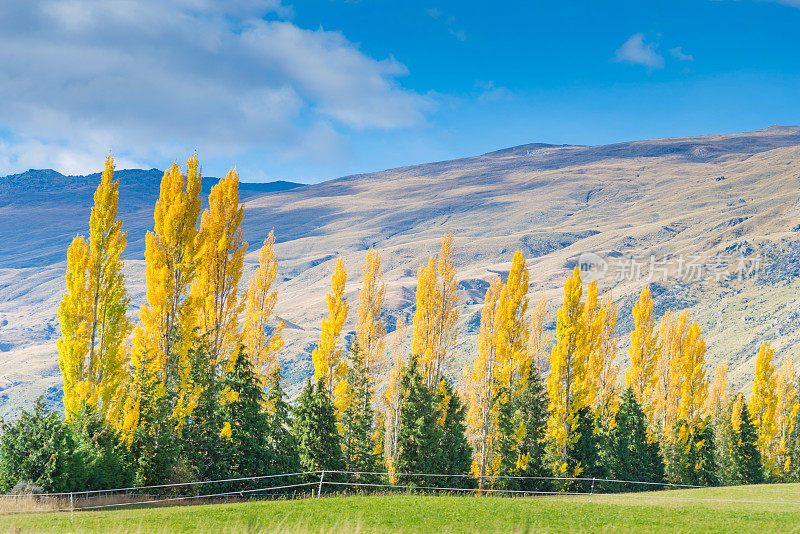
(453, 454)
(281, 441)
(207, 454)
(690, 455)
(745, 450)
(249, 425)
(318, 440)
(583, 449)
(108, 462)
(40, 448)
(357, 420)
(525, 418)
(417, 437)
(628, 452)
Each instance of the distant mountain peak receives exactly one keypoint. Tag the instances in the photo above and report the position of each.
(523, 149)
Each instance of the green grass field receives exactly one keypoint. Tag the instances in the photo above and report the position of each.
(760, 509)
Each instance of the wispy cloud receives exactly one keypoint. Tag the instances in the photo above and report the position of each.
(793, 3)
(492, 93)
(449, 22)
(639, 52)
(154, 79)
(680, 55)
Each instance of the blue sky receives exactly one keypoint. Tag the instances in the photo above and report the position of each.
(311, 90)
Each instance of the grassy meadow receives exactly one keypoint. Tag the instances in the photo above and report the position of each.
(773, 508)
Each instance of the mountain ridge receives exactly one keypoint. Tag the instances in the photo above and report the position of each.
(702, 195)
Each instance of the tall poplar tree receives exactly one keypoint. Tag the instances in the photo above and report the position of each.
(220, 259)
(601, 373)
(481, 386)
(785, 415)
(370, 326)
(259, 315)
(763, 403)
(330, 367)
(161, 342)
(566, 383)
(643, 352)
(436, 314)
(666, 394)
(694, 384)
(392, 400)
(538, 339)
(92, 311)
(513, 332)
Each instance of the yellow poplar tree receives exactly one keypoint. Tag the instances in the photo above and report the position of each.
(601, 373)
(436, 314)
(785, 414)
(763, 404)
(719, 395)
(538, 339)
(162, 340)
(513, 332)
(694, 384)
(221, 257)
(666, 395)
(92, 312)
(566, 383)
(327, 357)
(370, 326)
(480, 380)
(259, 315)
(643, 352)
(392, 401)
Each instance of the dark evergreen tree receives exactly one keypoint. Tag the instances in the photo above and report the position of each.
(583, 450)
(207, 454)
(453, 453)
(523, 422)
(628, 453)
(41, 449)
(746, 456)
(281, 441)
(417, 437)
(690, 456)
(358, 445)
(249, 454)
(318, 440)
(108, 462)
(156, 444)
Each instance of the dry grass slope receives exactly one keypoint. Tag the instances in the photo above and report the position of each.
(695, 195)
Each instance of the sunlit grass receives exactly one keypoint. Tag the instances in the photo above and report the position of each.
(761, 509)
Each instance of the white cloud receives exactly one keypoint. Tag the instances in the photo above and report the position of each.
(154, 79)
(680, 55)
(792, 3)
(636, 50)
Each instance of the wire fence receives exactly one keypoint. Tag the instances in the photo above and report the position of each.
(312, 484)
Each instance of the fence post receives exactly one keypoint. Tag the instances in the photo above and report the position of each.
(321, 477)
(592, 485)
(71, 509)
